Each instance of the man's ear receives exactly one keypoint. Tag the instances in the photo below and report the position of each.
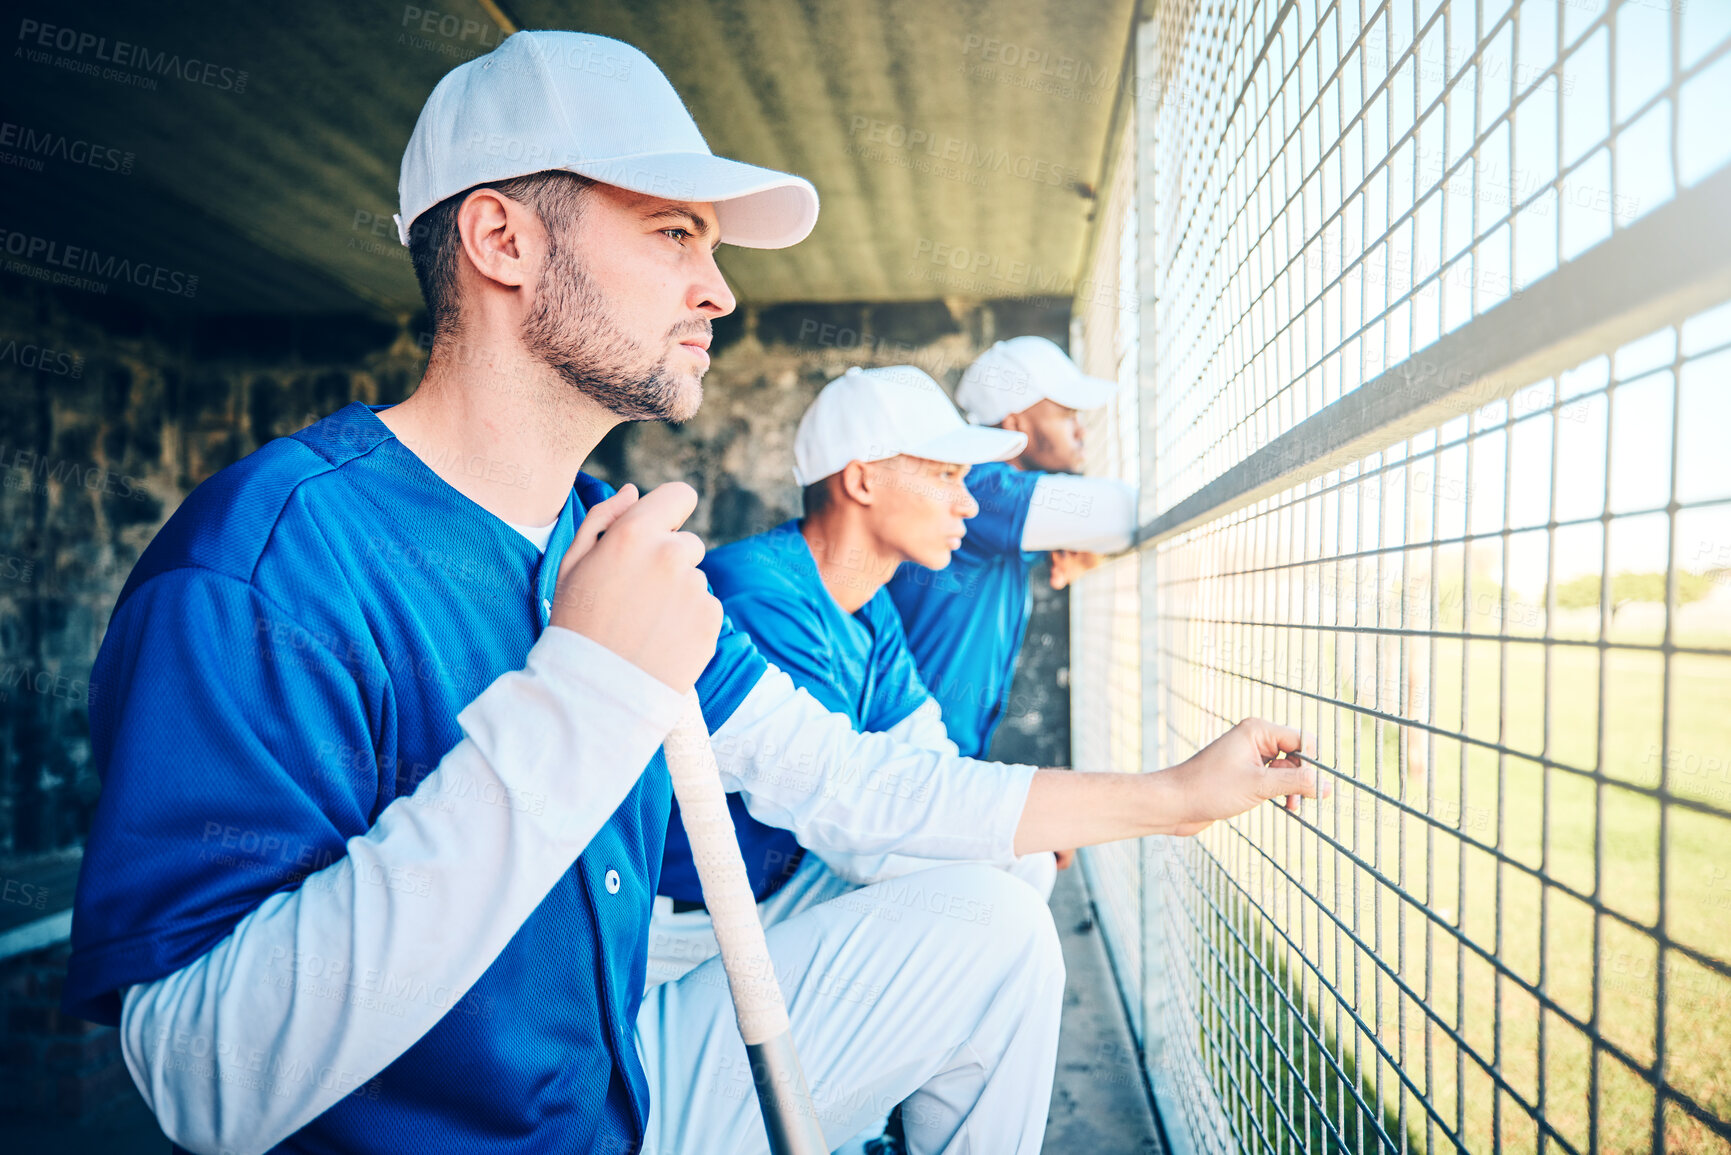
(1016, 423)
(490, 227)
(858, 483)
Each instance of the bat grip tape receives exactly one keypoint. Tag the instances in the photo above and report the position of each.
(782, 1092)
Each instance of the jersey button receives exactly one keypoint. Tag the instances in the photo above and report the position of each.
(612, 882)
(546, 606)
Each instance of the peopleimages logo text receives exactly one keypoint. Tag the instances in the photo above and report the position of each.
(39, 469)
(79, 259)
(124, 54)
(59, 146)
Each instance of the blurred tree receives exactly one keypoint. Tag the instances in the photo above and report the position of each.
(1583, 592)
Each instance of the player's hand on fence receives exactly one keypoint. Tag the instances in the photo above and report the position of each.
(1070, 564)
(637, 590)
(1243, 768)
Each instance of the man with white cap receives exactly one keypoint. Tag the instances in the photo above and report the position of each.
(965, 624)
(383, 795)
(881, 455)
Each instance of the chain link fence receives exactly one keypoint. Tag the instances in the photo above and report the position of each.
(1432, 361)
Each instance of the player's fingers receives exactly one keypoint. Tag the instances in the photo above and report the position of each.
(1269, 739)
(685, 549)
(596, 521)
(663, 508)
(1293, 753)
(1292, 747)
(1300, 780)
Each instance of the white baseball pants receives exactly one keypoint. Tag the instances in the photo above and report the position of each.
(942, 988)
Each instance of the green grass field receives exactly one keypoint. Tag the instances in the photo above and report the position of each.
(1549, 820)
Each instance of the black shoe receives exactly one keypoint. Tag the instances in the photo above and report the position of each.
(893, 1141)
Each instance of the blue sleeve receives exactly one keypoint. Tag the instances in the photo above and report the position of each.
(1005, 495)
(900, 691)
(792, 640)
(226, 737)
(730, 675)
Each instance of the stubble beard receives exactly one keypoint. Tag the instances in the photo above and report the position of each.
(571, 331)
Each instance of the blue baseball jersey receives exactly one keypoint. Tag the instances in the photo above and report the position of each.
(965, 623)
(854, 664)
(288, 657)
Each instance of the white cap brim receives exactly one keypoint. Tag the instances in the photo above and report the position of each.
(1081, 392)
(971, 445)
(759, 208)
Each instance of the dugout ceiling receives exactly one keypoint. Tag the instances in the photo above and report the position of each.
(938, 134)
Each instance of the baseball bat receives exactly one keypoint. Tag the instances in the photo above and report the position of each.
(788, 1115)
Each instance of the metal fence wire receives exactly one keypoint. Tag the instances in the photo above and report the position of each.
(1433, 364)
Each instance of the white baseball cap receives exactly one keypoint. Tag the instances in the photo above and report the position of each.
(871, 414)
(596, 107)
(1023, 371)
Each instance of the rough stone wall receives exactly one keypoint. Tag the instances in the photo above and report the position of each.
(108, 418)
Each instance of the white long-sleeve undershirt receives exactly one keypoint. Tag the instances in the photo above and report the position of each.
(1097, 514)
(924, 727)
